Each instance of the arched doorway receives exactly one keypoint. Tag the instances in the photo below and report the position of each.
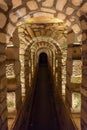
(43, 59)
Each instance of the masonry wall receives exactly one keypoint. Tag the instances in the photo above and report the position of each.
(83, 20)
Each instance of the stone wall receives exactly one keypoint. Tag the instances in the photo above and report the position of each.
(13, 13)
(83, 20)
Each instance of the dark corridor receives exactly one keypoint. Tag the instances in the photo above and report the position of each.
(43, 115)
(39, 109)
(43, 59)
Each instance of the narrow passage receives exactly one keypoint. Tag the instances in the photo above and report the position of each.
(43, 115)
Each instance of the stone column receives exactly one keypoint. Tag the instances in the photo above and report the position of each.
(76, 77)
(17, 69)
(83, 20)
(30, 71)
(26, 70)
(59, 73)
(68, 77)
(18, 84)
(68, 95)
(3, 88)
(56, 72)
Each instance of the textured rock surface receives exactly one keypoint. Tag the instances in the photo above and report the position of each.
(32, 5)
(3, 20)
(13, 13)
(60, 4)
(47, 3)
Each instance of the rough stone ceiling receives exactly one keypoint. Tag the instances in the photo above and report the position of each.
(65, 10)
(56, 31)
(19, 11)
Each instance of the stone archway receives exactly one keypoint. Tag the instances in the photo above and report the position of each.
(16, 11)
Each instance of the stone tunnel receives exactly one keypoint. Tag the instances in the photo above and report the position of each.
(43, 64)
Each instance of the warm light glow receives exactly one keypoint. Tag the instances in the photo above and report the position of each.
(10, 45)
(43, 19)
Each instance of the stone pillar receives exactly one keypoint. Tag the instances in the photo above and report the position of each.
(18, 84)
(17, 69)
(68, 95)
(59, 73)
(83, 20)
(26, 70)
(76, 77)
(30, 71)
(3, 88)
(68, 77)
(56, 72)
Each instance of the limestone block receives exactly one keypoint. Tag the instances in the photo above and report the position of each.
(60, 4)
(22, 48)
(78, 13)
(2, 96)
(15, 39)
(20, 30)
(76, 28)
(48, 10)
(47, 3)
(30, 31)
(84, 37)
(4, 38)
(13, 17)
(72, 19)
(12, 53)
(2, 20)
(21, 12)
(27, 39)
(84, 8)
(17, 67)
(38, 0)
(76, 52)
(77, 2)
(10, 69)
(43, 14)
(61, 16)
(2, 58)
(2, 83)
(69, 10)
(22, 52)
(16, 3)
(2, 69)
(2, 48)
(10, 29)
(11, 84)
(68, 23)
(84, 25)
(32, 5)
(3, 5)
(79, 38)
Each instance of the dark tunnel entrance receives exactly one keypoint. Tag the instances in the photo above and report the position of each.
(43, 59)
